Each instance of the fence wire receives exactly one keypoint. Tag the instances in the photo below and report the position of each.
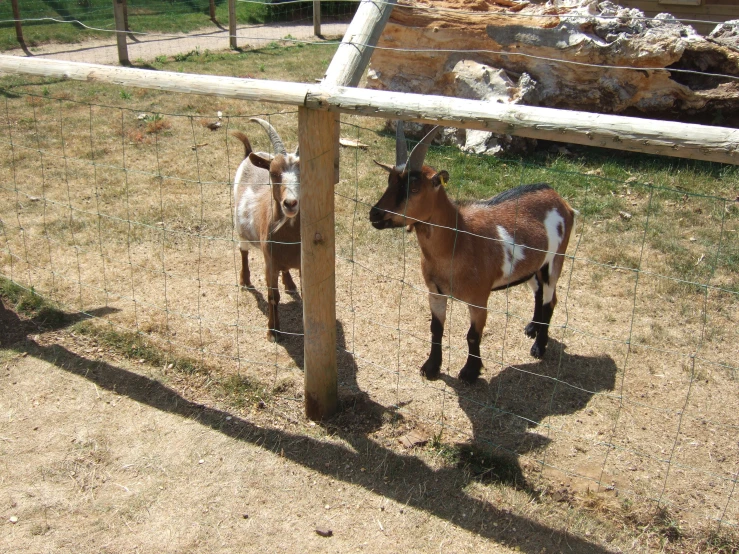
(125, 215)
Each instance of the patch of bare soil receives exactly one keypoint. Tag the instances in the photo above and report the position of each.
(100, 453)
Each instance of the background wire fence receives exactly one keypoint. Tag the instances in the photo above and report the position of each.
(72, 21)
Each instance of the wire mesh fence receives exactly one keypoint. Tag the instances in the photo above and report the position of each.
(127, 216)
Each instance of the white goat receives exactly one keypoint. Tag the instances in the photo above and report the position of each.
(266, 216)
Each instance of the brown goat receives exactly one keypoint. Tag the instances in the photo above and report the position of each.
(267, 216)
(471, 249)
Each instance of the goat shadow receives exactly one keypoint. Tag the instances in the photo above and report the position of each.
(357, 411)
(519, 398)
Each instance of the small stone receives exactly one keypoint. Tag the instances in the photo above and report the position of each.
(229, 418)
(201, 461)
(327, 507)
(13, 519)
(245, 516)
(261, 405)
(324, 531)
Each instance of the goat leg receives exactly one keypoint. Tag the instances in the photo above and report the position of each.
(432, 367)
(273, 299)
(287, 280)
(471, 370)
(540, 344)
(532, 328)
(244, 275)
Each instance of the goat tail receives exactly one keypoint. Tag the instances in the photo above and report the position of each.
(245, 140)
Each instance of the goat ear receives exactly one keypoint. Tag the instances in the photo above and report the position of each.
(386, 167)
(259, 161)
(441, 178)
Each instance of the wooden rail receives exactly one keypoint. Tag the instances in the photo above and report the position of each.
(667, 138)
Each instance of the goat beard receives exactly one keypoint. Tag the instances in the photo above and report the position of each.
(277, 225)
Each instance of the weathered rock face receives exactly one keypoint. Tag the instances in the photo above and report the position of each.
(580, 54)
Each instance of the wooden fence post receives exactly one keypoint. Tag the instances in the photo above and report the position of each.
(120, 27)
(18, 28)
(317, 18)
(232, 24)
(212, 8)
(318, 260)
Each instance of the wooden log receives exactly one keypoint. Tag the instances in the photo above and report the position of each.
(230, 87)
(317, 18)
(354, 52)
(18, 27)
(212, 10)
(120, 28)
(232, 25)
(318, 258)
(667, 138)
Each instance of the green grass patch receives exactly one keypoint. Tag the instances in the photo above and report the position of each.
(30, 304)
(236, 390)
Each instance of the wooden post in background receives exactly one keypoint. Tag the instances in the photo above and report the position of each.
(232, 24)
(120, 27)
(18, 27)
(318, 260)
(212, 8)
(317, 18)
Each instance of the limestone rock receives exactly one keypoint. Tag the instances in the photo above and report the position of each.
(578, 54)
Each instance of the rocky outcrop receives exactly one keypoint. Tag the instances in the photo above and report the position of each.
(578, 54)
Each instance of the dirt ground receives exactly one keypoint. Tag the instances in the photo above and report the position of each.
(147, 47)
(103, 454)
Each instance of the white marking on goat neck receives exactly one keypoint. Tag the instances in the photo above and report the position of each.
(512, 252)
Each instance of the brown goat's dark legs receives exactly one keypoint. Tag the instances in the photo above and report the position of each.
(542, 337)
(471, 370)
(533, 327)
(244, 276)
(273, 299)
(287, 280)
(431, 368)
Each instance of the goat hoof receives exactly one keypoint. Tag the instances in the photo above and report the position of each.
(469, 374)
(430, 371)
(273, 336)
(531, 330)
(537, 351)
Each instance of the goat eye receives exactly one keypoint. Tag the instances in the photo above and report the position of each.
(414, 190)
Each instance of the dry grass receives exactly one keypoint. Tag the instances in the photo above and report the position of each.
(130, 219)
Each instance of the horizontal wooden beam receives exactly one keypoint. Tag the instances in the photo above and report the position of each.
(667, 138)
(230, 87)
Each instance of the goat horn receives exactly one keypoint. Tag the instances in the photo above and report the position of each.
(277, 143)
(418, 154)
(401, 148)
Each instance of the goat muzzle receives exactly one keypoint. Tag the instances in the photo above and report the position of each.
(380, 218)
